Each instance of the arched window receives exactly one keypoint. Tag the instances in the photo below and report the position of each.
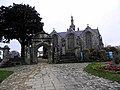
(70, 41)
(89, 40)
(55, 40)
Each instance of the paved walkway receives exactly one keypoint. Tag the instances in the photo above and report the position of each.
(45, 76)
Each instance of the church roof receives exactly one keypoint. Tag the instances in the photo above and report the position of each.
(78, 32)
(63, 34)
(96, 31)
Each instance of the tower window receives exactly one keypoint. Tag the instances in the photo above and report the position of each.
(70, 41)
(89, 40)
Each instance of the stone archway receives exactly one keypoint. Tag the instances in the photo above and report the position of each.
(38, 40)
(48, 46)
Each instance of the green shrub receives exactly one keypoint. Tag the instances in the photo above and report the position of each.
(94, 55)
(103, 55)
(117, 59)
(86, 55)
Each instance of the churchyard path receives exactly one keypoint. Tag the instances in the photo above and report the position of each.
(43, 76)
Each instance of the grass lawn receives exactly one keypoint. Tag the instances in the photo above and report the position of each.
(4, 74)
(94, 69)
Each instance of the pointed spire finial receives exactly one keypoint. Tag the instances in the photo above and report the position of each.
(72, 21)
(54, 29)
(78, 29)
(87, 25)
(71, 17)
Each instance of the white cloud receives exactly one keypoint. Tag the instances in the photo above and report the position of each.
(97, 13)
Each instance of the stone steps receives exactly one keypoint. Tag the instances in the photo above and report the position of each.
(68, 58)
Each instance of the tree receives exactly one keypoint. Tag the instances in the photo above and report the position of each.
(19, 22)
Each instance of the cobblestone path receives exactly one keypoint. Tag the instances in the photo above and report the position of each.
(45, 76)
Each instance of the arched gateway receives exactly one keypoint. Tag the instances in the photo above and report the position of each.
(38, 40)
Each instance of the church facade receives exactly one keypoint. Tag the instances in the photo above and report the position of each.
(74, 41)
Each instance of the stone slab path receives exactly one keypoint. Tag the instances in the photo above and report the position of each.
(43, 76)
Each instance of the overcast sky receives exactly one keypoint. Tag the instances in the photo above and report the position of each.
(104, 14)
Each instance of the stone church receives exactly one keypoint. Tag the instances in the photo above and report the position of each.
(60, 46)
(73, 41)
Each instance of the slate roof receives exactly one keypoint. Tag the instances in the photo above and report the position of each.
(63, 34)
(96, 31)
(78, 32)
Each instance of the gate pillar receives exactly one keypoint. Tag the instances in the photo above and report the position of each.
(5, 55)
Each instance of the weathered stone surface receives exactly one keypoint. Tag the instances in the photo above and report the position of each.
(44, 76)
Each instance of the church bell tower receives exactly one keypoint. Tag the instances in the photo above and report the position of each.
(72, 23)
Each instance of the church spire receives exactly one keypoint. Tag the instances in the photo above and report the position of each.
(72, 23)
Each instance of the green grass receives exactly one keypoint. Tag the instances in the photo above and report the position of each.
(94, 69)
(4, 74)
